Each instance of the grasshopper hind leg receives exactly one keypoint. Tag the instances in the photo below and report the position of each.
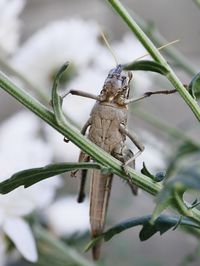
(83, 157)
(83, 174)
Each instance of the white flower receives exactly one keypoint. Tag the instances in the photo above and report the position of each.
(10, 24)
(21, 148)
(44, 52)
(67, 217)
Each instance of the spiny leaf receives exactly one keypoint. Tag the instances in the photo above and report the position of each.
(194, 86)
(146, 172)
(29, 177)
(158, 177)
(162, 224)
(146, 65)
(187, 179)
(56, 99)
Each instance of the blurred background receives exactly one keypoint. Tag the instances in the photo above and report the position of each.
(36, 37)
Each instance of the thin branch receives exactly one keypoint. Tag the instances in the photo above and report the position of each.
(180, 60)
(71, 133)
(156, 55)
(83, 143)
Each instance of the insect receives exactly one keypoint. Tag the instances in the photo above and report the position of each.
(107, 128)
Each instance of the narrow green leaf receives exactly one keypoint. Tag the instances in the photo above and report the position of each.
(163, 201)
(146, 172)
(158, 177)
(53, 251)
(146, 65)
(187, 179)
(56, 98)
(29, 177)
(93, 242)
(162, 224)
(194, 86)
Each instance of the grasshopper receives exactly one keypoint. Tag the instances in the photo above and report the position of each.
(107, 128)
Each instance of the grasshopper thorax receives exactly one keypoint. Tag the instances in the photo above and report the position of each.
(116, 86)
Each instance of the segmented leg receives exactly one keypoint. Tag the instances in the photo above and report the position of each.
(125, 155)
(83, 157)
(133, 137)
(81, 194)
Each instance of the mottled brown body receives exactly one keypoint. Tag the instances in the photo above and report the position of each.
(106, 119)
(107, 129)
(104, 131)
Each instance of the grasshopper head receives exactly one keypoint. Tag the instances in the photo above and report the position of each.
(116, 86)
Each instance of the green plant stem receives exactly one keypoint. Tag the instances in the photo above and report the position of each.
(65, 250)
(180, 61)
(83, 143)
(197, 2)
(153, 51)
(170, 51)
(71, 133)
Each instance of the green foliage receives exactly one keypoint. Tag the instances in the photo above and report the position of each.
(29, 177)
(194, 86)
(158, 177)
(173, 191)
(147, 65)
(55, 252)
(162, 224)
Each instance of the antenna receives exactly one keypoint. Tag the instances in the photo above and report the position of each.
(159, 48)
(109, 46)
